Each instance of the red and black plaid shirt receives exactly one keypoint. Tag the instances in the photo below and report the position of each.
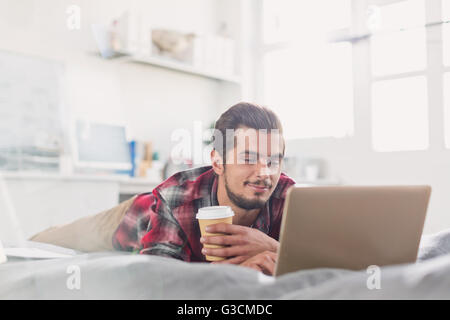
(163, 222)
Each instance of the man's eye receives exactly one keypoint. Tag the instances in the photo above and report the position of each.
(274, 163)
(249, 160)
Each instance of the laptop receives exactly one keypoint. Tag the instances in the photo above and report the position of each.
(351, 227)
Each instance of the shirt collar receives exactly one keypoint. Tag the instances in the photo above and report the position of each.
(213, 195)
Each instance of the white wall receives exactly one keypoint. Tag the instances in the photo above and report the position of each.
(151, 100)
(154, 101)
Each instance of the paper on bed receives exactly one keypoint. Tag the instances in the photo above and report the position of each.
(33, 253)
(37, 250)
(2, 255)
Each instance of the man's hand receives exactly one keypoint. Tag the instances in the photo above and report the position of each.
(264, 262)
(242, 242)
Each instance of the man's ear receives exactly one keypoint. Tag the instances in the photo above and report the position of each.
(217, 162)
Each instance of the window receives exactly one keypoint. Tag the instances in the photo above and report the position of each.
(398, 44)
(447, 108)
(401, 14)
(446, 44)
(295, 80)
(446, 52)
(400, 114)
(399, 84)
(398, 52)
(446, 31)
(306, 79)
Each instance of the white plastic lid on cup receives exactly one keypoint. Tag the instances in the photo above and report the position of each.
(215, 212)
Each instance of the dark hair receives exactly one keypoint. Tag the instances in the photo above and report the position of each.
(245, 114)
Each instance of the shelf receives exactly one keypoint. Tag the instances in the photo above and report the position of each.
(177, 66)
(180, 67)
(39, 175)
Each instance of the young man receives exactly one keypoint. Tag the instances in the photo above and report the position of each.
(245, 175)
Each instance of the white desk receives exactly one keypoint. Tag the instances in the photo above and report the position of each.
(43, 200)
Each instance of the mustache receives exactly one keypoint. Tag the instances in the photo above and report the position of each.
(261, 183)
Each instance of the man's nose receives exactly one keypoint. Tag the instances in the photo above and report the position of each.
(263, 168)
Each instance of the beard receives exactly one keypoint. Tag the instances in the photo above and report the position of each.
(242, 202)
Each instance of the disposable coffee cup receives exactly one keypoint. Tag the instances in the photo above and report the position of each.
(213, 215)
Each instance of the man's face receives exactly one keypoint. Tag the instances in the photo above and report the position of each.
(253, 167)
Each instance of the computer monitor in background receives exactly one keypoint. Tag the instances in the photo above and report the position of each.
(101, 146)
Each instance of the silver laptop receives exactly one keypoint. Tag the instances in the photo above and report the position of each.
(351, 227)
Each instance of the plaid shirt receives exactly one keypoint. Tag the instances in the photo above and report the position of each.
(163, 222)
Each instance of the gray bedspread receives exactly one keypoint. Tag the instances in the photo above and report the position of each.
(126, 276)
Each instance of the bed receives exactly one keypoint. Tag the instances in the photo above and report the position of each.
(118, 275)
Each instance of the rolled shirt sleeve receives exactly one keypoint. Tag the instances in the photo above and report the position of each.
(149, 227)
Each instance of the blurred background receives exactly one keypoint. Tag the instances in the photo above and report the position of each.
(97, 97)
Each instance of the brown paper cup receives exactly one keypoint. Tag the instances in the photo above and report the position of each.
(213, 215)
(206, 222)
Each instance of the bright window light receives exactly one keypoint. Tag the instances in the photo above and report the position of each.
(447, 108)
(445, 10)
(402, 14)
(398, 52)
(446, 43)
(400, 114)
(310, 88)
(295, 20)
(308, 82)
